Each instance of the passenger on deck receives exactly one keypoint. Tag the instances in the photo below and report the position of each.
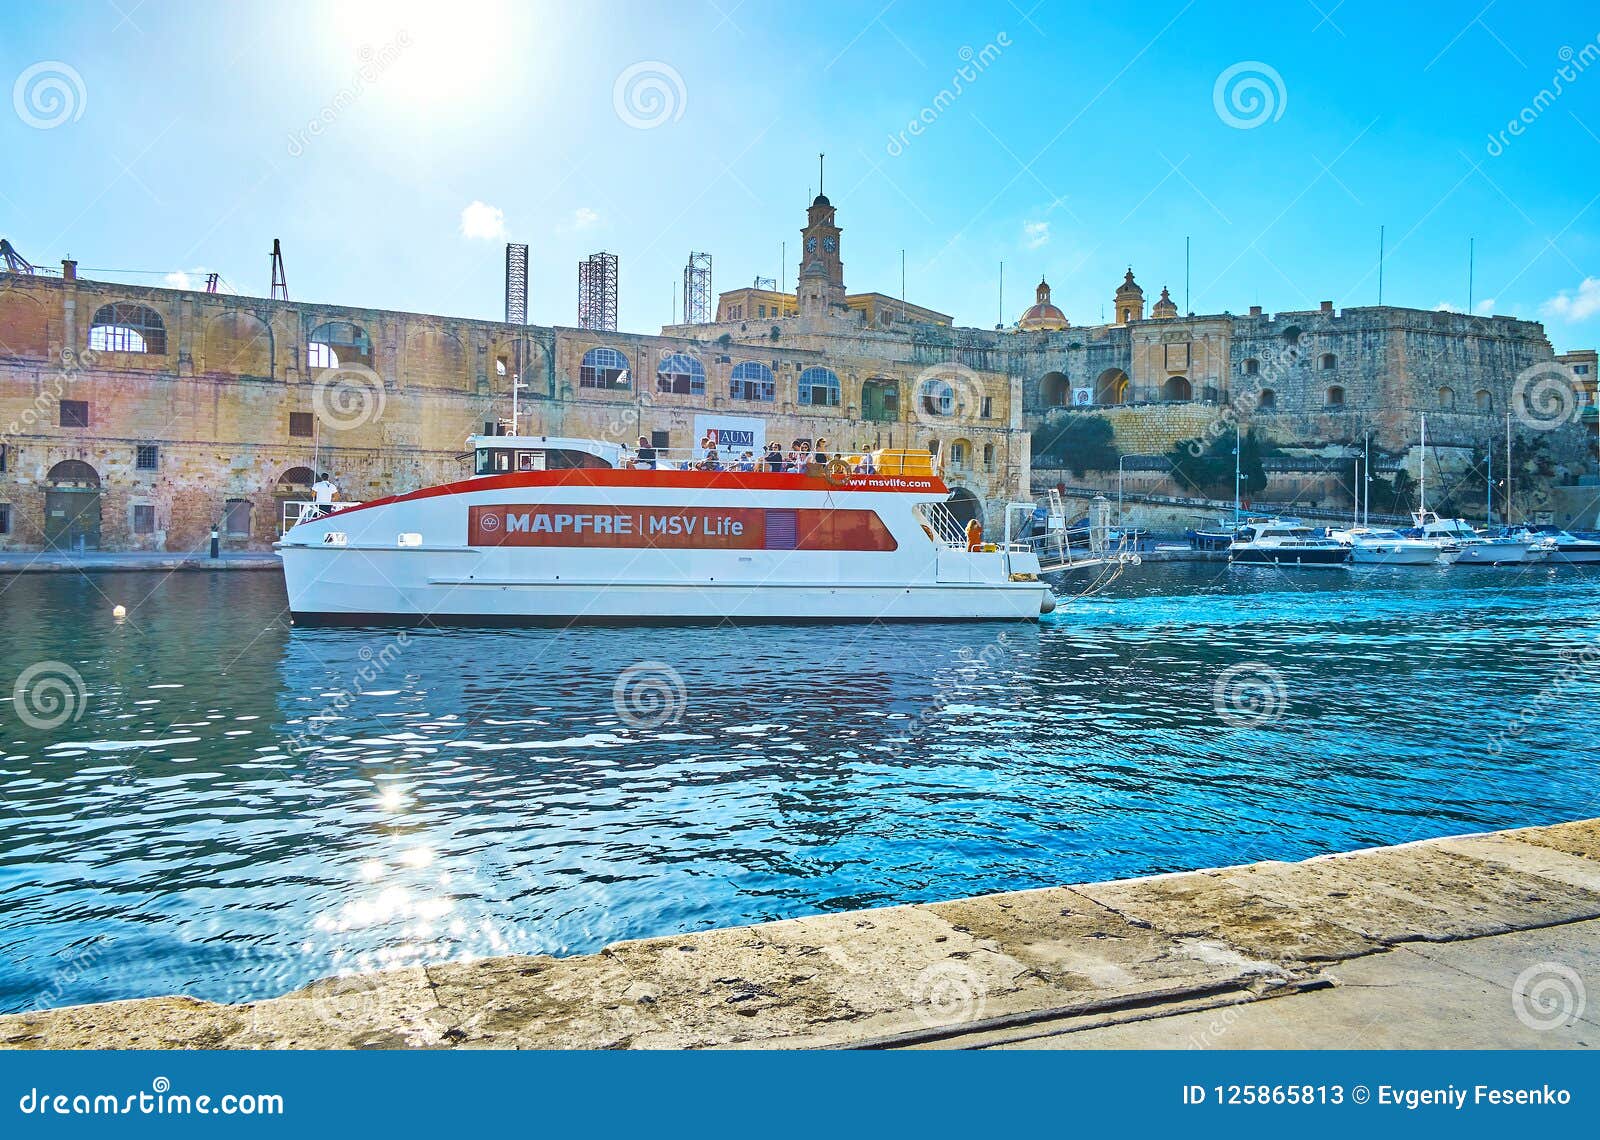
(645, 456)
(747, 461)
(865, 467)
(822, 452)
(774, 459)
(324, 491)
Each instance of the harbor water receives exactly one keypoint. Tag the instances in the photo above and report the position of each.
(201, 799)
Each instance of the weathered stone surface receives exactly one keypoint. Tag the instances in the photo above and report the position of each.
(1085, 951)
(148, 1023)
(543, 1003)
(388, 1009)
(1580, 837)
(1528, 858)
(1416, 892)
(1221, 905)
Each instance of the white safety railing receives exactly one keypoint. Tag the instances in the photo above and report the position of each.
(297, 511)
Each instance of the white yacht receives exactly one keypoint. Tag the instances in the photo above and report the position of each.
(1284, 542)
(1386, 547)
(1464, 546)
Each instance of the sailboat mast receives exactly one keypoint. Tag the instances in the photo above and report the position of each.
(1422, 466)
(1508, 468)
(1238, 446)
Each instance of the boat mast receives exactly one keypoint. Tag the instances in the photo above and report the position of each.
(1238, 446)
(1488, 492)
(1366, 484)
(1508, 468)
(1422, 470)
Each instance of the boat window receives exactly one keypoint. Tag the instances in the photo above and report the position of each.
(494, 460)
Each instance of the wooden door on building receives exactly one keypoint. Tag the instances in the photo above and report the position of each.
(72, 519)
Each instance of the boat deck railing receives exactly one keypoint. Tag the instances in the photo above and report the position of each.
(792, 461)
(297, 511)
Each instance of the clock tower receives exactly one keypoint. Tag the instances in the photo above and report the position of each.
(820, 288)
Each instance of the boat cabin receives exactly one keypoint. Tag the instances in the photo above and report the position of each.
(505, 454)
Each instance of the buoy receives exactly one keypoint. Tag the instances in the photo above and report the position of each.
(119, 612)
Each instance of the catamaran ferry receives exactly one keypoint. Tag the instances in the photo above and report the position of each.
(554, 530)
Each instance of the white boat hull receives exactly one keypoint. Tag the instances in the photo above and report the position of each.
(1494, 554)
(1387, 555)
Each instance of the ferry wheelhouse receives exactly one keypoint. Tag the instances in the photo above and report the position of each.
(555, 530)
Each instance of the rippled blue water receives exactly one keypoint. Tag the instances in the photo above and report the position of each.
(221, 821)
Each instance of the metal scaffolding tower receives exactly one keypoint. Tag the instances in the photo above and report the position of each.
(516, 284)
(597, 292)
(697, 290)
(14, 262)
(280, 283)
(770, 284)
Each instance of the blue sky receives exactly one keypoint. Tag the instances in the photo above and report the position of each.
(1094, 136)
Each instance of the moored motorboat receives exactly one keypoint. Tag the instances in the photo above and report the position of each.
(1386, 547)
(559, 530)
(1284, 542)
(1464, 546)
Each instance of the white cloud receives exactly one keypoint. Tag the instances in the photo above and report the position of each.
(1485, 307)
(178, 279)
(1446, 307)
(1035, 234)
(1582, 306)
(481, 220)
(583, 218)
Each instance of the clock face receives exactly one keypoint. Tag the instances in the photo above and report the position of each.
(829, 244)
(811, 245)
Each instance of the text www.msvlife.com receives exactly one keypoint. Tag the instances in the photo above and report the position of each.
(160, 1101)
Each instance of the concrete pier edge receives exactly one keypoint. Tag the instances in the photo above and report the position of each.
(1426, 943)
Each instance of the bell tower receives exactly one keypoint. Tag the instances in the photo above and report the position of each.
(820, 288)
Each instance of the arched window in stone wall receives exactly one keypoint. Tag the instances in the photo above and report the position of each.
(819, 387)
(960, 452)
(1329, 362)
(1177, 389)
(1484, 400)
(1054, 391)
(128, 327)
(1251, 366)
(1267, 400)
(1335, 396)
(73, 473)
(1447, 397)
(296, 480)
(681, 374)
(338, 343)
(603, 368)
(752, 380)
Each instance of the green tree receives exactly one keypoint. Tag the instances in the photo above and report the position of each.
(1077, 442)
(1207, 468)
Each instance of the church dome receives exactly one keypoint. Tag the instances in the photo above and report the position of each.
(1043, 316)
(821, 200)
(1129, 287)
(1166, 308)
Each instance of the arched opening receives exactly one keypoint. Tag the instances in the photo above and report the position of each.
(127, 327)
(1484, 400)
(1329, 362)
(960, 453)
(1176, 389)
(752, 380)
(237, 344)
(1336, 396)
(819, 387)
(338, 343)
(1267, 400)
(1054, 391)
(681, 374)
(296, 481)
(72, 506)
(603, 368)
(436, 357)
(1291, 335)
(880, 401)
(965, 506)
(1111, 387)
(1447, 397)
(1251, 366)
